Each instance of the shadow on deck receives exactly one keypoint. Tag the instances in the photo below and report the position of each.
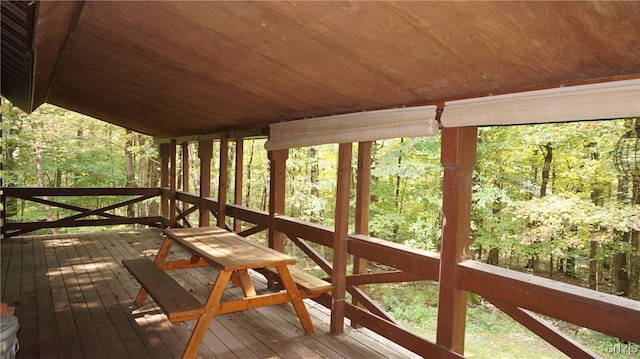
(74, 299)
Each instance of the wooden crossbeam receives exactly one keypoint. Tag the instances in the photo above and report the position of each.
(383, 277)
(602, 312)
(49, 202)
(312, 253)
(546, 331)
(252, 230)
(365, 301)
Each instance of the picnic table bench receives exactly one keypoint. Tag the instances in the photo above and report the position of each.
(233, 255)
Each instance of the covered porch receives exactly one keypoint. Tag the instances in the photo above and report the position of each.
(74, 299)
(226, 72)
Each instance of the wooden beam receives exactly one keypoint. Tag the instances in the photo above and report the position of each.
(239, 170)
(340, 239)
(223, 182)
(185, 174)
(602, 312)
(546, 331)
(277, 173)
(314, 255)
(205, 153)
(415, 261)
(458, 156)
(363, 189)
(164, 178)
(383, 277)
(26, 192)
(401, 336)
(260, 132)
(257, 217)
(313, 232)
(173, 173)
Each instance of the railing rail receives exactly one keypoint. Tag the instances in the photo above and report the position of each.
(517, 294)
(49, 197)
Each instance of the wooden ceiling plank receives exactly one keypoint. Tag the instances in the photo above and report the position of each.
(183, 68)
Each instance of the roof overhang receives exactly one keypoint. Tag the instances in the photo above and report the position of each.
(172, 69)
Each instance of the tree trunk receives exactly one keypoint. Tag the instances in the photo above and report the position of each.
(593, 265)
(39, 172)
(619, 268)
(129, 172)
(597, 199)
(263, 200)
(247, 172)
(634, 256)
(571, 266)
(314, 175)
(634, 266)
(492, 258)
(143, 175)
(396, 196)
(619, 263)
(547, 151)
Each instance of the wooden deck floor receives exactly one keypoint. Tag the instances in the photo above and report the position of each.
(75, 300)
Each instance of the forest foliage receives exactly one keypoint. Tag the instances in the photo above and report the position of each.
(546, 198)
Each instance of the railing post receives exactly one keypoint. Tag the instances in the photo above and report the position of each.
(362, 206)
(223, 182)
(458, 157)
(164, 179)
(3, 212)
(277, 172)
(185, 176)
(341, 232)
(173, 173)
(205, 153)
(239, 173)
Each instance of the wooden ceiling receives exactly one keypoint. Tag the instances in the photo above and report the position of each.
(188, 68)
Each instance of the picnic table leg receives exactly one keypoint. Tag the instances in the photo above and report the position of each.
(163, 252)
(245, 282)
(202, 325)
(296, 299)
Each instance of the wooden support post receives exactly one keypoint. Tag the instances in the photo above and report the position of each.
(172, 183)
(239, 170)
(277, 173)
(205, 153)
(164, 179)
(185, 175)
(362, 207)
(339, 272)
(223, 182)
(458, 157)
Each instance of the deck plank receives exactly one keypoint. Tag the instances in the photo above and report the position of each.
(89, 337)
(76, 300)
(87, 270)
(47, 338)
(5, 259)
(28, 318)
(69, 344)
(152, 336)
(102, 278)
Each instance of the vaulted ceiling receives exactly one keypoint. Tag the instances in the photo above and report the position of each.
(186, 68)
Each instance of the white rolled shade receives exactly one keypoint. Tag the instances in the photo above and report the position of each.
(608, 100)
(354, 127)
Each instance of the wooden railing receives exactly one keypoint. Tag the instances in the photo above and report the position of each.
(517, 294)
(82, 216)
(522, 296)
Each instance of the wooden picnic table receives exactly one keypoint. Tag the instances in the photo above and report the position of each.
(233, 255)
